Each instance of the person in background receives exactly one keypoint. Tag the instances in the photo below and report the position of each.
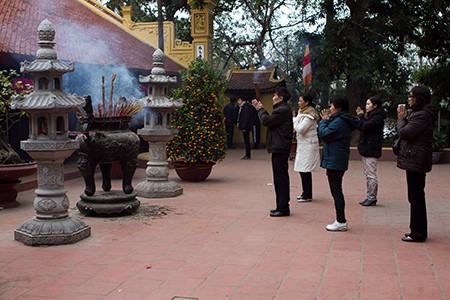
(415, 132)
(230, 111)
(335, 130)
(244, 124)
(307, 158)
(371, 125)
(278, 142)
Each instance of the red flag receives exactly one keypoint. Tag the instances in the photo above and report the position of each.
(307, 71)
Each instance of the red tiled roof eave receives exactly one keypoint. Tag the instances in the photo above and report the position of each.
(81, 35)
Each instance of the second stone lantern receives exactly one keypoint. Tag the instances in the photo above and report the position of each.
(157, 131)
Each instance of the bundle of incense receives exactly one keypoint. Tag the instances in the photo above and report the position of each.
(110, 107)
(128, 109)
(99, 113)
(79, 112)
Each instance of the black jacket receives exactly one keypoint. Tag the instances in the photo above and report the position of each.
(280, 128)
(245, 116)
(371, 137)
(416, 139)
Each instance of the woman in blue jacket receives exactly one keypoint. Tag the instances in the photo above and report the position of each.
(335, 130)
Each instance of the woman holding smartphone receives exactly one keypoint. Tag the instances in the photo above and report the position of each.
(415, 130)
(371, 125)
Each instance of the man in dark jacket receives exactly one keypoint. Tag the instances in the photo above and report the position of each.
(230, 111)
(415, 131)
(278, 140)
(244, 123)
(335, 130)
(371, 126)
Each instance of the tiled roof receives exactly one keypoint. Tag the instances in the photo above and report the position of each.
(47, 100)
(81, 35)
(246, 79)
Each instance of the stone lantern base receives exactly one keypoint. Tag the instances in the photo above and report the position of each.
(36, 231)
(158, 189)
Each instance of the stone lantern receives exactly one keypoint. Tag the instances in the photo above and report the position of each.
(49, 144)
(157, 131)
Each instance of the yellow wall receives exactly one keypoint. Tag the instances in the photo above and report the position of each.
(238, 139)
(181, 52)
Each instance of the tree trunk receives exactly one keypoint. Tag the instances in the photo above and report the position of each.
(356, 91)
(7, 154)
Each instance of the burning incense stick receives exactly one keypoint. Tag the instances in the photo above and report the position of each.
(103, 92)
(110, 107)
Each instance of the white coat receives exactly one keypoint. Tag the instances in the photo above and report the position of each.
(307, 158)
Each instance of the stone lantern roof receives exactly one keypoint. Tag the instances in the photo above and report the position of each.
(46, 71)
(47, 100)
(158, 81)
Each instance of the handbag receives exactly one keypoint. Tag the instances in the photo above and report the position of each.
(396, 146)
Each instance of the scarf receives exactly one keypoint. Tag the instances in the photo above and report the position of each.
(309, 110)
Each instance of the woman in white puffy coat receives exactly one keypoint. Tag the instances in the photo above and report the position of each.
(307, 158)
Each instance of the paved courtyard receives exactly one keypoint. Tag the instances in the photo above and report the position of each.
(217, 241)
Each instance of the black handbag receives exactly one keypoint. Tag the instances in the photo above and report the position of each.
(396, 146)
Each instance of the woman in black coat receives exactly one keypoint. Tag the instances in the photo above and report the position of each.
(371, 125)
(415, 130)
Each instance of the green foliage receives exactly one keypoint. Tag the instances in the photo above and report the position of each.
(146, 11)
(439, 140)
(9, 117)
(197, 4)
(7, 91)
(201, 133)
(437, 78)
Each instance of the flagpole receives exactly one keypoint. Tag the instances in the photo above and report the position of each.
(307, 71)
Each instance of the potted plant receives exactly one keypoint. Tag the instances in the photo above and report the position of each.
(11, 165)
(201, 138)
(439, 143)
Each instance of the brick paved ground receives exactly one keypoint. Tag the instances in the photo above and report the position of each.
(217, 241)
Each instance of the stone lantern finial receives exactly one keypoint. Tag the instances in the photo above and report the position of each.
(158, 63)
(46, 35)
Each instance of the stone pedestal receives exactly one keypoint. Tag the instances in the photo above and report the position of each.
(110, 203)
(52, 224)
(157, 184)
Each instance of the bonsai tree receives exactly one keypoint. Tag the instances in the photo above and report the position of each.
(201, 133)
(9, 117)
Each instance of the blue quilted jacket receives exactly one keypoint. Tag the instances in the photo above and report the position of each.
(336, 134)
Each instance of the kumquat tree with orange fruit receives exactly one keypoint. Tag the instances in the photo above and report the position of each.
(201, 133)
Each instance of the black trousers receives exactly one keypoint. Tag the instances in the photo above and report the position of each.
(246, 135)
(230, 133)
(418, 209)
(335, 181)
(256, 135)
(280, 170)
(306, 178)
